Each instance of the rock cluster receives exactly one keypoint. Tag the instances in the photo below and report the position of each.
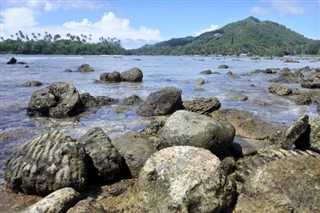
(132, 75)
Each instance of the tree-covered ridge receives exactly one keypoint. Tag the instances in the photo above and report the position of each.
(249, 36)
(38, 43)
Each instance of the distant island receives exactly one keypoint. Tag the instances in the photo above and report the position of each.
(249, 37)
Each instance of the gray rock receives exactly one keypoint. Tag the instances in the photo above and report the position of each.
(85, 68)
(315, 134)
(163, 102)
(154, 126)
(57, 100)
(135, 149)
(113, 77)
(297, 134)
(185, 179)
(240, 147)
(68, 70)
(206, 72)
(192, 129)
(286, 76)
(202, 105)
(289, 184)
(45, 164)
(132, 75)
(106, 159)
(132, 99)
(91, 101)
(310, 84)
(32, 84)
(56, 202)
(240, 98)
(200, 81)
(87, 206)
(280, 89)
(223, 66)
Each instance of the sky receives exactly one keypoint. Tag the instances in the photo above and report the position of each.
(139, 22)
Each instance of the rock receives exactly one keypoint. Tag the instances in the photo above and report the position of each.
(57, 100)
(286, 76)
(163, 102)
(240, 98)
(154, 126)
(12, 61)
(45, 164)
(223, 66)
(57, 202)
(289, 184)
(132, 75)
(280, 90)
(291, 60)
(135, 149)
(87, 206)
(206, 72)
(200, 81)
(91, 101)
(113, 77)
(85, 68)
(32, 84)
(202, 105)
(297, 134)
(247, 125)
(270, 71)
(132, 99)
(192, 129)
(302, 99)
(11, 202)
(240, 148)
(67, 70)
(185, 179)
(315, 134)
(106, 159)
(309, 84)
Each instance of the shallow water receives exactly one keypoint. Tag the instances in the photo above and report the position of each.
(159, 71)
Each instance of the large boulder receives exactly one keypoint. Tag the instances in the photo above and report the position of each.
(12, 61)
(135, 149)
(202, 105)
(192, 129)
(111, 77)
(290, 184)
(185, 179)
(132, 75)
(315, 134)
(106, 160)
(85, 68)
(45, 164)
(56, 202)
(57, 100)
(163, 102)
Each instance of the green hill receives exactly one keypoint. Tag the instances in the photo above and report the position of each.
(249, 36)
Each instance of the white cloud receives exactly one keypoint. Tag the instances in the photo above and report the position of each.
(284, 8)
(259, 10)
(11, 18)
(211, 28)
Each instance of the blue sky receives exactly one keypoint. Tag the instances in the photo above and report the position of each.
(138, 22)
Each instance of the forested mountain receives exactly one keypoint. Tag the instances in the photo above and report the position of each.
(249, 36)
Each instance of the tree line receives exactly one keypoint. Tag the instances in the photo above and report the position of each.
(46, 43)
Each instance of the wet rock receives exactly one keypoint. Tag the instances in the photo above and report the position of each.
(303, 99)
(206, 72)
(163, 102)
(202, 105)
(32, 84)
(280, 89)
(57, 100)
(106, 159)
(297, 134)
(112, 77)
(240, 148)
(135, 149)
(87, 206)
(270, 71)
(200, 81)
(45, 164)
(12, 61)
(286, 76)
(185, 179)
(58, 202)
(240, 98)
(315, 134)
(290, 60)
(132, 75)
(310, 84)
(11, 202)
(247, 125)
(281, 186)
(132, 99)
(154, 126)
(85, 68)
(192, 129)
(223, 66)
(91, 101)
(68, 70)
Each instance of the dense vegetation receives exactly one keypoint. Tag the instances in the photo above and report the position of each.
(21, 43)
(250, 36)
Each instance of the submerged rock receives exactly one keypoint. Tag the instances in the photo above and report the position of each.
(310, 84)
(45, 164)
(223, 66)
(132, 99)
(206, 72)
(57, 100)
(112, 77)
(85, 68)
(280, 89)
(32, 84)
(163, 102)
(192, 129)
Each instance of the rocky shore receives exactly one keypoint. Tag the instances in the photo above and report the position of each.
(194, 156)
